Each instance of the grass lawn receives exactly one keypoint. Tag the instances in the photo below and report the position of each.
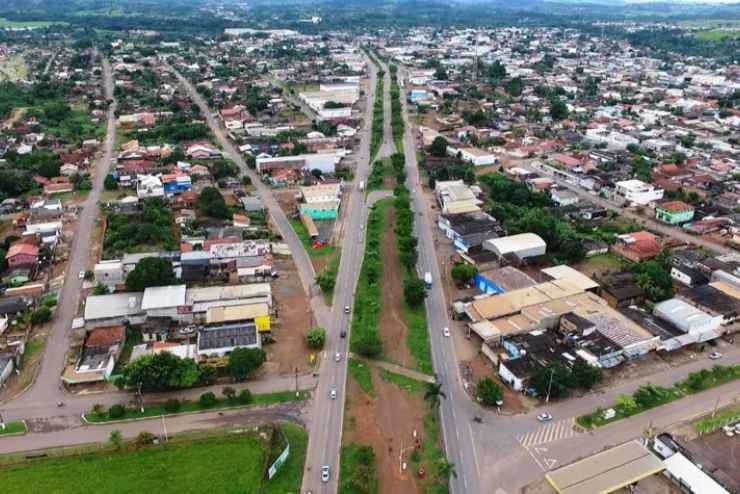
(358, 474)
(409, 385)
(194, 406)
(332, 268)
(716, 35)
(361, 373)
(417, 337)
(223, 463)
(5, 23)
(606, 261)
(300, 230)
(13, 428)
(711, 424)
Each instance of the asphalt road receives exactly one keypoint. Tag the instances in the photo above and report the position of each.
(327, 415)
(47, 388)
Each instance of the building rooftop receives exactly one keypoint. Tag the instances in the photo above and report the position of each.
(226, 336)
(163, 297)
(114, 305)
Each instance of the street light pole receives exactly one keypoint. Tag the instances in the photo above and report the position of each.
(549, 386)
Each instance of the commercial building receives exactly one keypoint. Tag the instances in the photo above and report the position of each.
(220, 340)
(114, 309)
(637, 192)
(697, 325)
(607, 471)
(674, 212)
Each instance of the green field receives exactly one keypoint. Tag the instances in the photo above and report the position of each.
(224, 464)
(13, 68)
(716, 35)
(5, 23)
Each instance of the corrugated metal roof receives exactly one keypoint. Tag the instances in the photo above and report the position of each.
(161, 297)
(236, 313)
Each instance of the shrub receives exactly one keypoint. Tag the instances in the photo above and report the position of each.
(315, 337)
(145, 438)
(41, 315)
(207, 400)
(229, 393)
(116, 412)
(98, 410)
(489, 392)
(172, 405)
(245, 396)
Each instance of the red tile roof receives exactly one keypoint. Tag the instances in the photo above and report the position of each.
(105, 337)
(676, 206)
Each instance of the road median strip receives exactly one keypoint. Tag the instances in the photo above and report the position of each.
(14, 428)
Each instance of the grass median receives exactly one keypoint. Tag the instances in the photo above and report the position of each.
(156, 410)
(12, 428)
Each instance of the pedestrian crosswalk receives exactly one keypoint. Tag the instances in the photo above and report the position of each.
(554, 431)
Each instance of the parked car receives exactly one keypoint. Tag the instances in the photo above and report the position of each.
(325, 473)
(82, 275)
(544, 417)
(715, 356)
(446, 331)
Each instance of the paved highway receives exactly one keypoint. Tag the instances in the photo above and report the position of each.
(47, 388)
(327, 415)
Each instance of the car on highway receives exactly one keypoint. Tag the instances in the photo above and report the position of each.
(333, 394)
(715, 356)
(446, 331)
(544, 417)
(325, 473)
(342, 334)
(346, 309)
(337, 357)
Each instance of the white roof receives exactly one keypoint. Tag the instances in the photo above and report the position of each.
(690, 475)
(514, 243)
(567, 273)
(162, 297)
(115, 305)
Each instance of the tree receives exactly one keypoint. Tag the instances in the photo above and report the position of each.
(150, 271)
(41, 315)
(489, 393)
(245, 396)
(110, 182)
(414, 291)
(161, 372)
(315, 337)
(207, 400)
(222, 169)
(554, 381)
(463, 273)
(497, 71)
(243, 362)
(438, 149)
(585, 375)
(433, 393)
(229, 393)
(211, 203)
(172, 405)
(326, 280)
(558, 109)
(115, 439)
(440, 73)
(515, 87)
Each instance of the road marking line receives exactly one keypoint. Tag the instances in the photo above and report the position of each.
(475, 452)
(535, 460)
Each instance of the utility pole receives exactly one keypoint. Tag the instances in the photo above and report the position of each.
(2, 423)
(140, 397)
(549, 386)
(296, 382)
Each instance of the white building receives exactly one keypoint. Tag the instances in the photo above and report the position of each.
(149, 186)
(637, 192)
(476, 156)
(698, 325)
(522, 246)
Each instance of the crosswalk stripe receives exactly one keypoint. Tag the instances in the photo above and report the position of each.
(562, 429)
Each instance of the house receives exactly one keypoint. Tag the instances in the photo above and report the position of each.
(220, 340)
(176, 183)
(195, 265)
(455, 197)
(58, 188)
(100, 353)
(114, 309)
(674, 212)
(149, 186)
(469, 230)
(476, 156)
(10, 306)
(166, 302)
(22, 256)
(321, 201)
(9, 360)
(637, 192)
(620, 290)
(564, 197)
(637, 246)
(202, 151)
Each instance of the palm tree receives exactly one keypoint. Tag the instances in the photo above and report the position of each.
(433, 392)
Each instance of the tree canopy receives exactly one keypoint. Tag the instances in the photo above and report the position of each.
(160, 372)
(243, 362)
(150, 271)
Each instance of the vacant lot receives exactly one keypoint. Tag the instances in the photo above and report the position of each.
(716, 35)
(13, 68)
(224, 464)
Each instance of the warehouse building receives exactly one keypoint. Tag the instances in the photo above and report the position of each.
(697, 325)
(518, 247)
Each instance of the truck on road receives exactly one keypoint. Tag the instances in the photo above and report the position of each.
(428, 279)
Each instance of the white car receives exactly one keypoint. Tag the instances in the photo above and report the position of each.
(337, 357)
(544, 417)
(325, 473)
(346, 309)
(446, 331)
(333, 394)
(715, 356)
(82, 275)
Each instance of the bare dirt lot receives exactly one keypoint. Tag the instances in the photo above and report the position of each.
(392, 325)
(722, 452)
(386, 422)
(294, 317)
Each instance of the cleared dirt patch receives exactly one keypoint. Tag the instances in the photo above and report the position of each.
(294, 317)
(392, 325)
(386, 421)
